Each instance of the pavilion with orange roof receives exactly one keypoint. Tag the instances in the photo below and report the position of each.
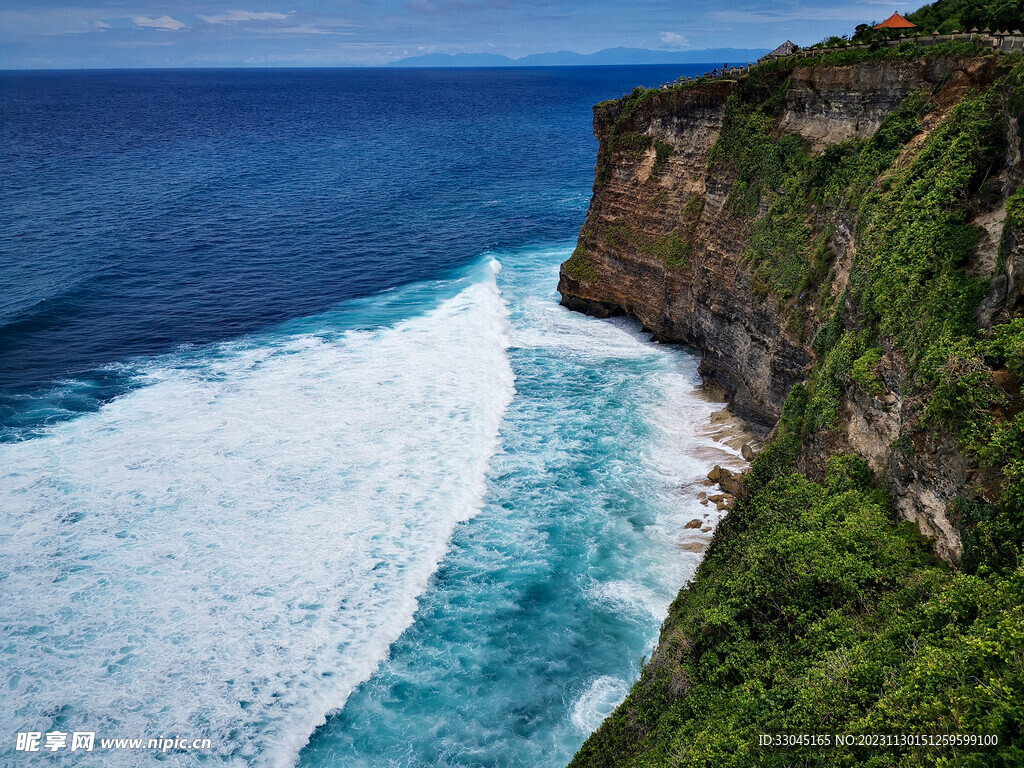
(896, 22)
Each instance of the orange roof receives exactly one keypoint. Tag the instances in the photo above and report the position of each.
(896, 22)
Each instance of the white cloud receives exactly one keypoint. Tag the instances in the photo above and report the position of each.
(163, 22)
(674, 40)
(303, 29)
(230, 16)
(141, 43)
(100, 25)
(862, 12)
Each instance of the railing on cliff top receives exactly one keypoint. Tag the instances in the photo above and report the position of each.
(1005, 42)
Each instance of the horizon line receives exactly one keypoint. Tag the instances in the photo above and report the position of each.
(397, 63)
(388, 66)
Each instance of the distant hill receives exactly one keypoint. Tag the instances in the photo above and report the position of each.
(608, 56)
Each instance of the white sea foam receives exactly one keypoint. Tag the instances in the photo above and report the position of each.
(192, 558)
(573, 334)
(629, 596)
(599, 700)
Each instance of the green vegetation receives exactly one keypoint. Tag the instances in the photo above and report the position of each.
(865, 372)
(842, 174)
(915, 239)
(672, 249)
(949, 15)
(829, 382)
(693, 210)
(662, 152)
(762, 161)
(1015, 208)
(912, 232)
(815, 611)
(619, 233)
(905, 50)
(619, 139)
(632, 143)
(814, 614)
(788, 251)
(578, 266)
(638, 96)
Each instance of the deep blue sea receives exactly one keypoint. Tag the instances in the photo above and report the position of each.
(298, 451)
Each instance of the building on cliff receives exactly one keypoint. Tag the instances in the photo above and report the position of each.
(786, 49)
(896, 22)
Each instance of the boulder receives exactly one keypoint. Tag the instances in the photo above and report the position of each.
(731, 482)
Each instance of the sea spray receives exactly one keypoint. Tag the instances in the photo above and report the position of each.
(535, 623)
(228, 550)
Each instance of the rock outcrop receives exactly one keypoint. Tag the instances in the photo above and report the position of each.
(663, 243)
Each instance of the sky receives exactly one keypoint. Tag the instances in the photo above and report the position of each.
(40, 34)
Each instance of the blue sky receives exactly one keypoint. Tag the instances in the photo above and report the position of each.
(128, 33)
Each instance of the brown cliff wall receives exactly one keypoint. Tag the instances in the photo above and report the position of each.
(663, 243)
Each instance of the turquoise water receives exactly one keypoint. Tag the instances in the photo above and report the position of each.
(536, 621)
(445, 540)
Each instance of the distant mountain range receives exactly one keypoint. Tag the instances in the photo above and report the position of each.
(608, 56)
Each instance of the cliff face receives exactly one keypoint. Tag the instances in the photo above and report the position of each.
(666, 241)
(842, 237)
(709, 304)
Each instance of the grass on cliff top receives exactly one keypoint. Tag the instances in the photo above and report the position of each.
(905, 50)
(771, 68)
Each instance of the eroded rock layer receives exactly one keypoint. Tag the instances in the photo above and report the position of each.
(667, 241)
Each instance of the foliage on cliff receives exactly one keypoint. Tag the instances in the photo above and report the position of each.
(949, 15)
(578, 266)
(910, 289)
(815, 612)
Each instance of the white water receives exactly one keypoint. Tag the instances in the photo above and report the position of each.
(599, 701)
(219, 535)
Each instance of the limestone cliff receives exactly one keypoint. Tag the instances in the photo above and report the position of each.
(672, 237)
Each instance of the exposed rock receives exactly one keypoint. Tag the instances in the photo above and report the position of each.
(694, 524)
(719, 417)
(747, 344)
(925, 480)
(731, 483)
(828, 105)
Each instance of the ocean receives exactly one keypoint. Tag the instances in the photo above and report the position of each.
(298, 451)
